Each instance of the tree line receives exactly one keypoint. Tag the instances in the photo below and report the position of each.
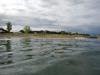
(27, 29)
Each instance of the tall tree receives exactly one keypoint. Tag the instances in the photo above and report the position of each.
(27, 29)
(9, 26)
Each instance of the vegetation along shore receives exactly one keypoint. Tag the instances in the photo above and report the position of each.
(27, 32)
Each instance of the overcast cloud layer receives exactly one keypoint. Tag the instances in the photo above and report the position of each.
(68, 15)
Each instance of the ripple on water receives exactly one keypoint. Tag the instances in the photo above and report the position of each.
(31, 56)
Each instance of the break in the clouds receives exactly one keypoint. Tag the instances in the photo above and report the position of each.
(68, 15)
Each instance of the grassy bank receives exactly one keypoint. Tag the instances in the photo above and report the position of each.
(40, 35)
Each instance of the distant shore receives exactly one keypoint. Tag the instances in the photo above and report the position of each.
(47, 36)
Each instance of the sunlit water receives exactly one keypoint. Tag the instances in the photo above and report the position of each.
(49, 57)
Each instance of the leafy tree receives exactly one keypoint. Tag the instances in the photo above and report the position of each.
(27, 29)
(9, 26)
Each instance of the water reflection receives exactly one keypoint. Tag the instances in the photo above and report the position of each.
(6, 59)
(8, 46)
(26, 42)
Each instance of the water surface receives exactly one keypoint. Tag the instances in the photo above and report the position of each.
(49, 57)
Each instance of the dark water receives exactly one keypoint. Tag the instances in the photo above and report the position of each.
(49, 57)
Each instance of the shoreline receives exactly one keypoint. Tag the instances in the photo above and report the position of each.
(43, 36)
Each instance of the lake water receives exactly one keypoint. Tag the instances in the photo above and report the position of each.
(49, 57)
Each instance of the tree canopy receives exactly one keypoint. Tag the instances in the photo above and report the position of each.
(9, 26)
(27, 29)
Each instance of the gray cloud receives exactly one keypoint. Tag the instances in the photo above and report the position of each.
(68, 15)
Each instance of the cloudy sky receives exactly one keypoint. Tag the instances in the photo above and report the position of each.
(68, 15)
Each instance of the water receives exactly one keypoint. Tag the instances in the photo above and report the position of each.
(49, 57)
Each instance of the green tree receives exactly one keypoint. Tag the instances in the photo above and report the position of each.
(9, 26)
(27, 29)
